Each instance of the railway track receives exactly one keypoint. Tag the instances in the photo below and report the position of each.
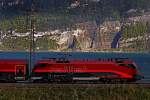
(45, 85)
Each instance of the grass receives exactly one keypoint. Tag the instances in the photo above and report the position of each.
(75, 93)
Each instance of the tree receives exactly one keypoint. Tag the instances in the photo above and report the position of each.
(20, 24)
(5, 25)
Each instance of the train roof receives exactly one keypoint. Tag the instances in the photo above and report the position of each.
(13, 61)
(54, 61)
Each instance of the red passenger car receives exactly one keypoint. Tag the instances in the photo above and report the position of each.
(86, 70)
(13, 70)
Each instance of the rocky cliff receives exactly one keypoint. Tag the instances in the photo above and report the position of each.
(135, 34)
(89, 35)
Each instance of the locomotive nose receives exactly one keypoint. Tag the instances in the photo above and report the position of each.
(138, 77)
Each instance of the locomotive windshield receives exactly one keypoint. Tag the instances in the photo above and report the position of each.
(132, 66)
(128, 65)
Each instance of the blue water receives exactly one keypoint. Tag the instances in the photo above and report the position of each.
(141, 59)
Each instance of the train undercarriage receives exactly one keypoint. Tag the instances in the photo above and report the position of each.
(77, 78)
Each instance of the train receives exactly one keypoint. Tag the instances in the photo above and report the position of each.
(51, 70)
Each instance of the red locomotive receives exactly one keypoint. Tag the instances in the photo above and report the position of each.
(110, 70)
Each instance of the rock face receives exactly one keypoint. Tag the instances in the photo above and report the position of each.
(65, 40)
(90, 36)
(98, 37)
(106, 33)
(85, 38)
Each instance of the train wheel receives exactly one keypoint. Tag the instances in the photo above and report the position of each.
(123, 81)
(115, 81)
(11, 78)
(105, 81)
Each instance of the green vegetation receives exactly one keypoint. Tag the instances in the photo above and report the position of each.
(52, 14)
(13, 43)
(44, 43)
(138, 33)
(140, 45)
(19, 24)
(135, 30)
(113, 92)
(23, 43)
(5, 25)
